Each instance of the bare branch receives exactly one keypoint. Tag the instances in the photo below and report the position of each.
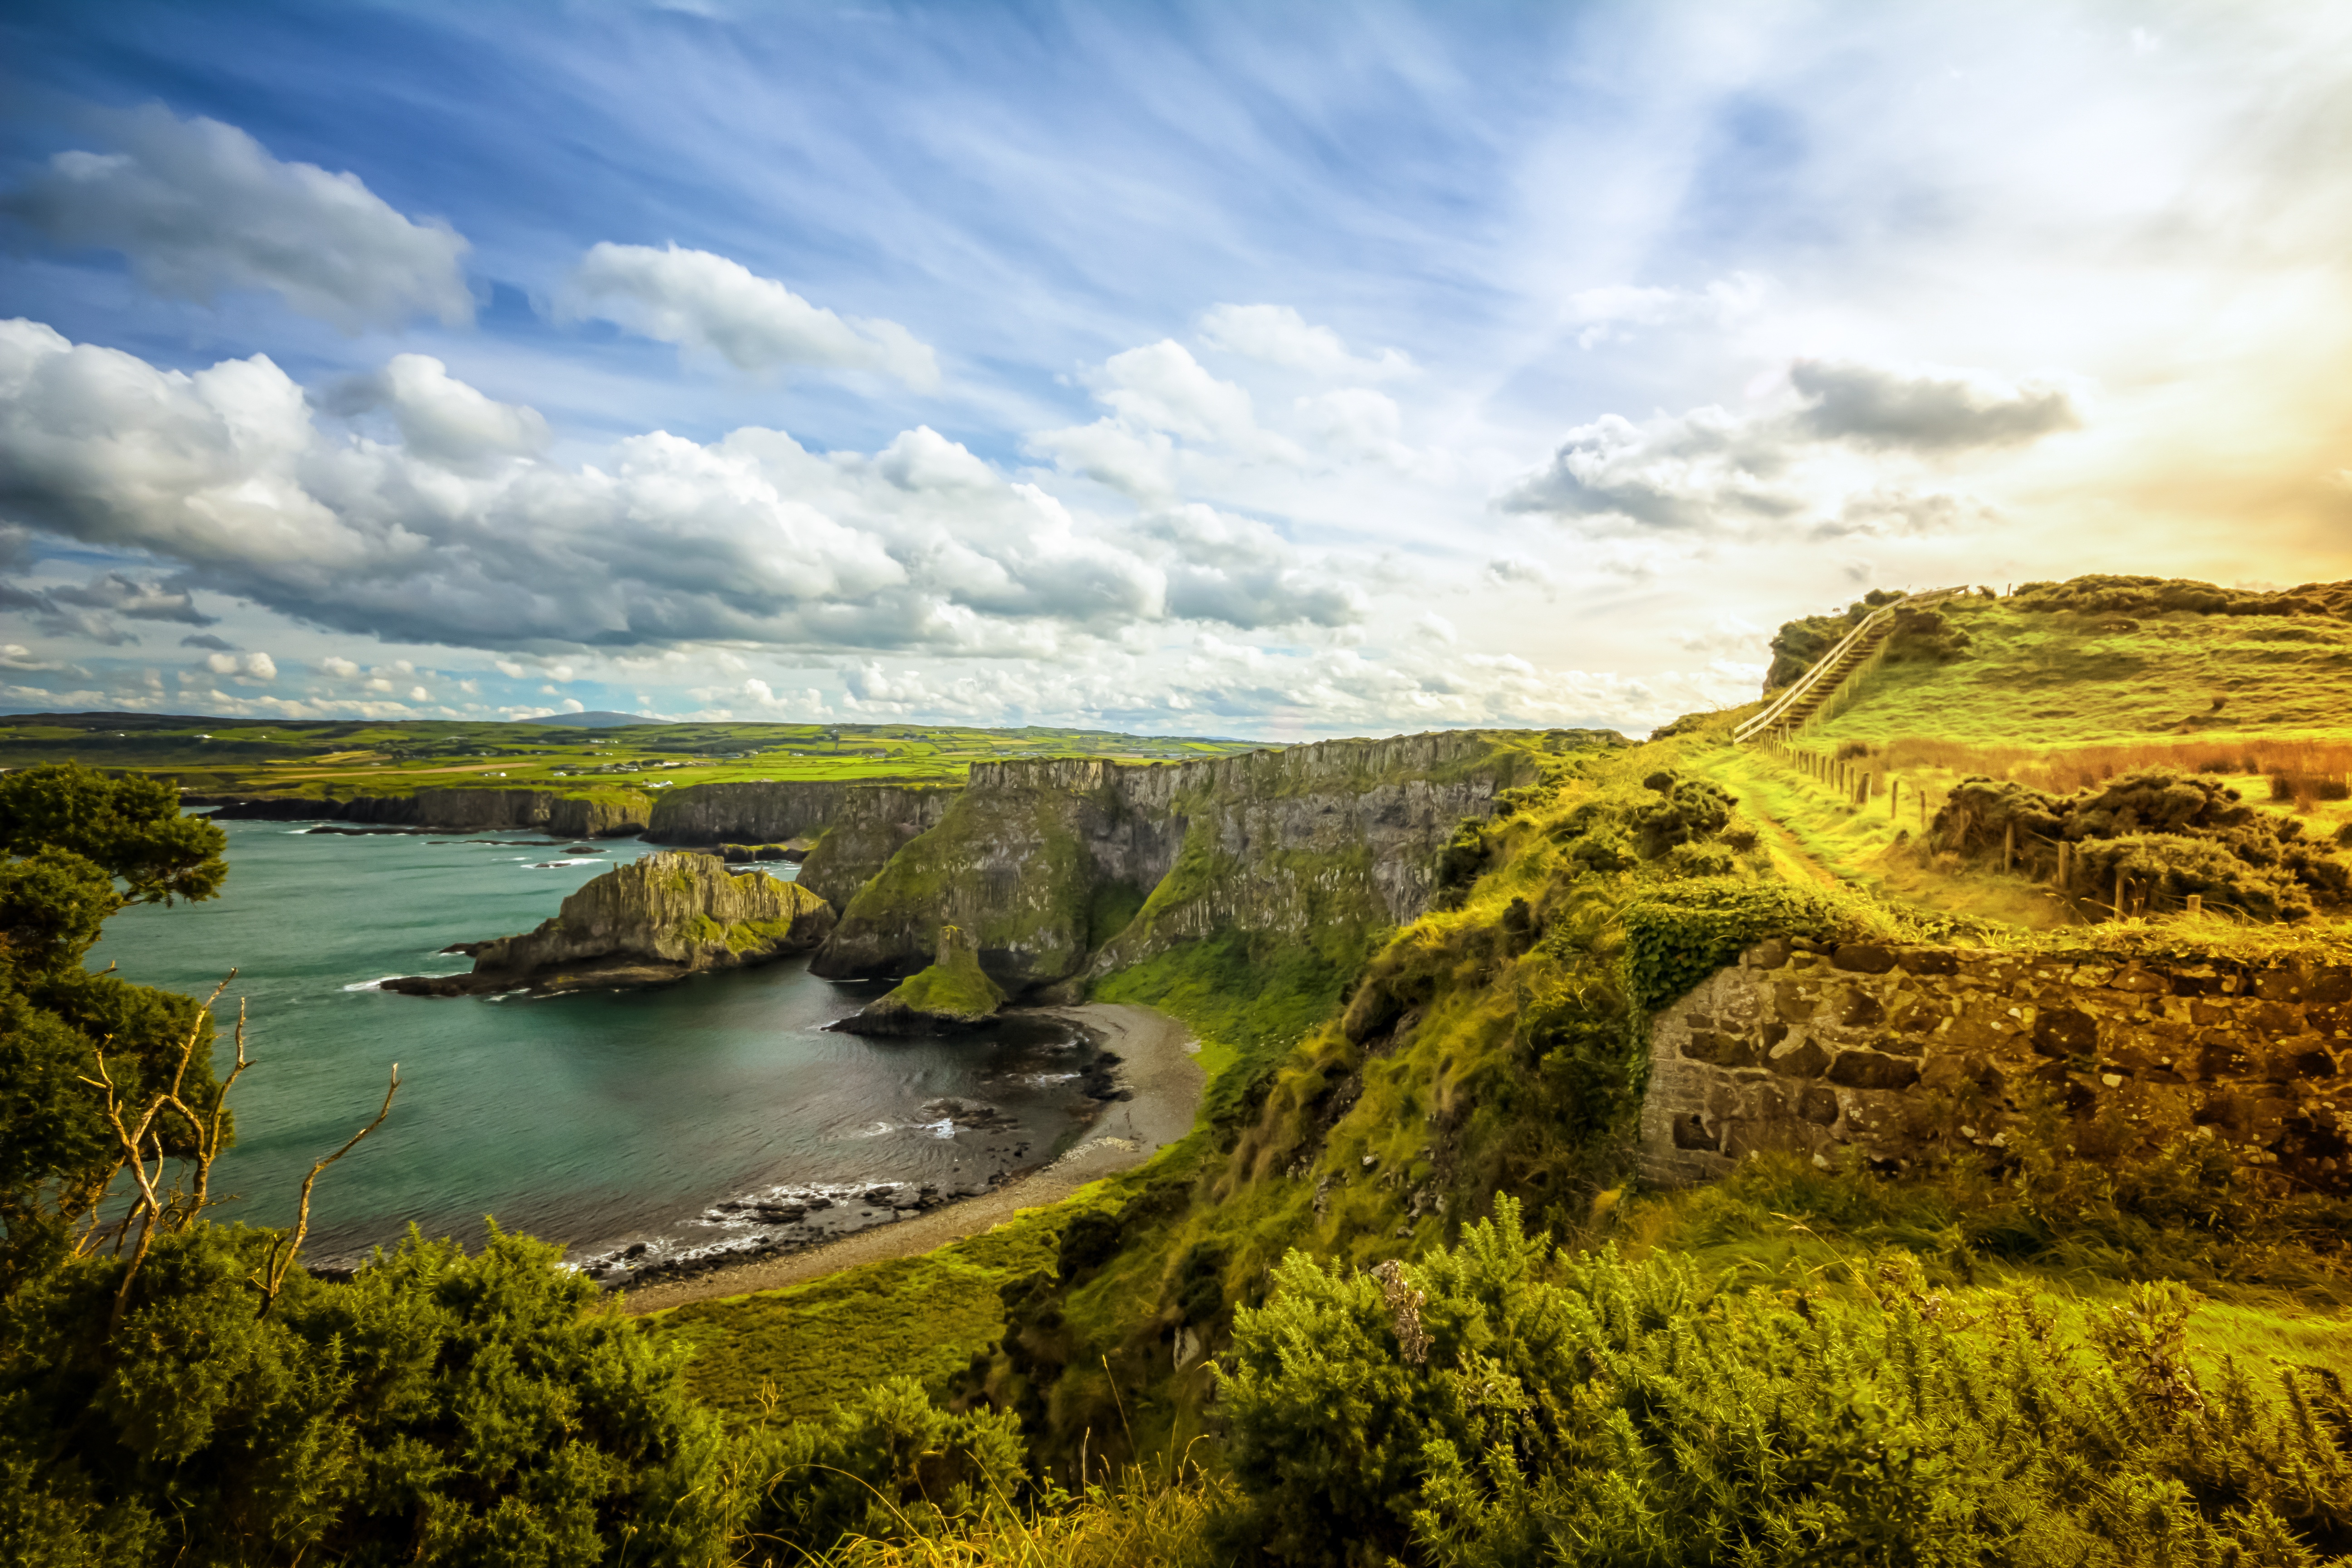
(282, 1259)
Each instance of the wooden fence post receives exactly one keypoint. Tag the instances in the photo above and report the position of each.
(2065, 866)
(2008, 847)
(2196, 904)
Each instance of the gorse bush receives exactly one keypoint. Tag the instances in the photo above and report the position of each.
(1503, 1403)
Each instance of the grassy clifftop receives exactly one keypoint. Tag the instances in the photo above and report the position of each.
(2082, 663)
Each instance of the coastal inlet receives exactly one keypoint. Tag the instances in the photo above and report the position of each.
(605, 1120)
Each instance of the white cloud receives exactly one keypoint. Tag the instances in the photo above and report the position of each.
(1839, 454)
(1279, 335)
(571, 704)
(1161, 386)
(1517, 571)
(258, 667)
(708, 304)
(199, 208)
(1608, 313)
(15, 657)
(340, 668)
(442, 418)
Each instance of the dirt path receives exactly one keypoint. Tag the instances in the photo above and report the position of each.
(1158, 1062)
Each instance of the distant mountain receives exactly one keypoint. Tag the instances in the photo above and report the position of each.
(597, 721)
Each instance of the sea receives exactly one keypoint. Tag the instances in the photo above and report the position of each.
(645, 1131)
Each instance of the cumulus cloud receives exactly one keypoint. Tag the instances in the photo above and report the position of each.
(1278, 335)
(748, 539)
(440, 417)
(708, 304)
(1610, 312)
(1929, 409)
(90, 609)
(1160, 395)
(16, 658)
(1238, 570)
(198, 207)
(244, 666)
(1822, 459)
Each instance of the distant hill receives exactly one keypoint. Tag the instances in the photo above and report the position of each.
(595, 719)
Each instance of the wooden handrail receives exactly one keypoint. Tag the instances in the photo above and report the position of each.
(1871, 626)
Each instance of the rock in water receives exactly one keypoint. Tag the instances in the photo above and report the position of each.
(654, 920)
(953, 994)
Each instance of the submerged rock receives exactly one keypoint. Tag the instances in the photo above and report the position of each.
(953, 994)
(646, 923)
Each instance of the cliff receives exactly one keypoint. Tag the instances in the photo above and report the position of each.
(607, 813)
(655, 920)
(858, 828)
(1064, 868)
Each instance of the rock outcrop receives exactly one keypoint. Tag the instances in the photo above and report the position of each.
(953, 994)
(1899, 1053)
(1064, 867)
(607, 814)
(856, 827)
(654, 920)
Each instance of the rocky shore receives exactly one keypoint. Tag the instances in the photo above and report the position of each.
(1147, 1089)
(655, 920)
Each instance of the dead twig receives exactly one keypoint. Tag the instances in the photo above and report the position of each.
(284, 1250)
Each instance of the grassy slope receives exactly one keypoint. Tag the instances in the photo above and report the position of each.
(2062, 680)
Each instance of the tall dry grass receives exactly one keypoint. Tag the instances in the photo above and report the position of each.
(1144, 1520)
(2307, 765)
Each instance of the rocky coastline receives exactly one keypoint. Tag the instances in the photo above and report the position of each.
(653, 921)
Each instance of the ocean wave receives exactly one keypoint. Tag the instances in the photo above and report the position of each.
(377, 983)
(559, 864)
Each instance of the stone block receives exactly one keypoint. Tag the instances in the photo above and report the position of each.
(1690, 1133)
(1819, 1106)
(1772, 953)
(1870, 1070)
(2145, 982)
(1927, 961)
(1855, 1008)
(2066, 1031)
(1722, 1050)
(1791, 1005)
(1864, 957)
(1803, 1059)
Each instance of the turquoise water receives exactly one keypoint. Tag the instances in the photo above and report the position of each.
(599, 1120)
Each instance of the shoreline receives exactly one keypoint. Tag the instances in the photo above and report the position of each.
(1160, 1064)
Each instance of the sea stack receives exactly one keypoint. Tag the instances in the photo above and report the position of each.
(654, 920)
(953, 994)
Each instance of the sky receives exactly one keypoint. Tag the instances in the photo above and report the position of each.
(1270, 371)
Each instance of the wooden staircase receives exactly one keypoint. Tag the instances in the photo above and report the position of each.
(1804, 699)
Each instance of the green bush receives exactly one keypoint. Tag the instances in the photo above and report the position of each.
(1691, 810)
(1500, 1403)
(1674, 940)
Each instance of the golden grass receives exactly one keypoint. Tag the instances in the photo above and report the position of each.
(2061, 770)
(1141, 1519)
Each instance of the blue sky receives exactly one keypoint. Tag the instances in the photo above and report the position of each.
(1261, 370)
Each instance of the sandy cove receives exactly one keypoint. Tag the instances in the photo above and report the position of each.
(1158, 1062)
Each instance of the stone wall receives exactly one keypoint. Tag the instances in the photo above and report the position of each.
(1904, 1052)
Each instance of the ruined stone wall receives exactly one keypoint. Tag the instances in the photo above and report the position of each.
(1904, 1052)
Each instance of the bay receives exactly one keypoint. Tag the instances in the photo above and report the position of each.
(604, 1121)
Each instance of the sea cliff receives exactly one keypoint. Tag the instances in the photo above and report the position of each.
(606, 813)
(653, 921)
(1068, 868)
(858, 828)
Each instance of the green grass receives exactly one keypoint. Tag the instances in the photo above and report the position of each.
(319, 757)
(2070, 679)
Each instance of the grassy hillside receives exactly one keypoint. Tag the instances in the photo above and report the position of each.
(1495, 1049)
(315, 757)
(2040, 670)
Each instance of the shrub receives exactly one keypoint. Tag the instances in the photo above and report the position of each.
(888, 1463)
(1503, 1403)
(1693, 809)
(1673, 941)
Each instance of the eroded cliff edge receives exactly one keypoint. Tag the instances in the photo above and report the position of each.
(654, 920)
(1065, 868)
(858, 828)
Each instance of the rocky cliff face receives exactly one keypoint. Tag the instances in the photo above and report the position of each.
(1060, 867)
(655, 920)
(605, 815)
(857, 827)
